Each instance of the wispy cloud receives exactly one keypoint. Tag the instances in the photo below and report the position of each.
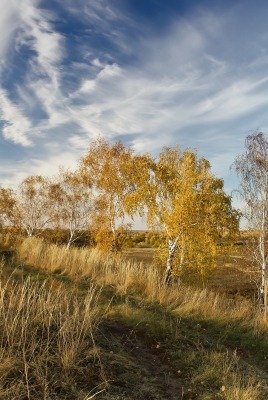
(113, 75)
(9, 23)
(31, 29)
(180, 84)
(239, 98)
(16, 126)
(44, 73)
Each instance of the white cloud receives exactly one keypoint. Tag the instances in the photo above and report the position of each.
(97, 63)
(46, 165)
(34, 30)
(11, 176)
(184, 84)
(9, 23)
(51, 164)
(37, 33)
(234, 101)
(180, 83)
(45, 76)
(99, 12)
(79, 143)
(17, 127)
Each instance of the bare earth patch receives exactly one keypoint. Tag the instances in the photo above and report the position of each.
(146, 363)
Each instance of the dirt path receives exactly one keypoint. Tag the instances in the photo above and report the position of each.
(150, 361)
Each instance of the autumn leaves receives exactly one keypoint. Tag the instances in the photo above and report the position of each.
(176, 191)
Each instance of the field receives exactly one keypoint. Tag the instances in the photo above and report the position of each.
(233, 275)
(78, 324)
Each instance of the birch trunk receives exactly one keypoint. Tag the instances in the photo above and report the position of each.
(172, 245)
(114, 244)
(262, 249)
(263, 270)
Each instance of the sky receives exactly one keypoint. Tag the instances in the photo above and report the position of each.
(146, 72)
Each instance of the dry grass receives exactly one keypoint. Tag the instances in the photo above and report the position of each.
(221, 372)
(132, 277)
(49, 332)
(44, 335)
(234, 274)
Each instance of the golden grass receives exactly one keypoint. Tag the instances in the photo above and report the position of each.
(44, 332)
(58, 316)
(132, 277)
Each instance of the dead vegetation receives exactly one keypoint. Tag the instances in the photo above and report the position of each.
(46, 341)
(77, 324)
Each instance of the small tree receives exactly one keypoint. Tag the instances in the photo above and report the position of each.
(28, 208)
(72, 201)
(7, 206)
(189, 204)
(112, 171)
(252, 169)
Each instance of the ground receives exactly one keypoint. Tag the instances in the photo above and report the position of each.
(145, 351)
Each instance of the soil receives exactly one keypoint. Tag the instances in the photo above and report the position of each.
(144, 357)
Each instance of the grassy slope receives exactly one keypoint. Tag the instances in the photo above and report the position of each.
(150, 343)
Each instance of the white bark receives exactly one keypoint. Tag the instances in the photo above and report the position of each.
(262, 245)
(172, 246)
(252, 167)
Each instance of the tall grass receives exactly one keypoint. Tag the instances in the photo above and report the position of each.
(47, 347)
(221, 372)
(45, 332)
(131, 277)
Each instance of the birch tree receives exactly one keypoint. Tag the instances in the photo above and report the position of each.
(111, 170)
(7, 206)
(28, 208)
(189, 204)
(72, 201)
(252, 169)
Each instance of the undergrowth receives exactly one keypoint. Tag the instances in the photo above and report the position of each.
(47, 347)
(52, 346)
(128, 276)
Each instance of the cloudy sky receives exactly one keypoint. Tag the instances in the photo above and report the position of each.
(147, 72)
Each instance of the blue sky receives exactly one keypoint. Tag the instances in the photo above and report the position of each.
(147, 72)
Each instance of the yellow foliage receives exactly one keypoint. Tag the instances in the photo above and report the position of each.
(113, 172)
(189, 204)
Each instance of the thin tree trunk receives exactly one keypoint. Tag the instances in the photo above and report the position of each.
(263, 268)
(265, 302)
(70, 241)
(262, 249)
(114, 244)
(172, 245)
